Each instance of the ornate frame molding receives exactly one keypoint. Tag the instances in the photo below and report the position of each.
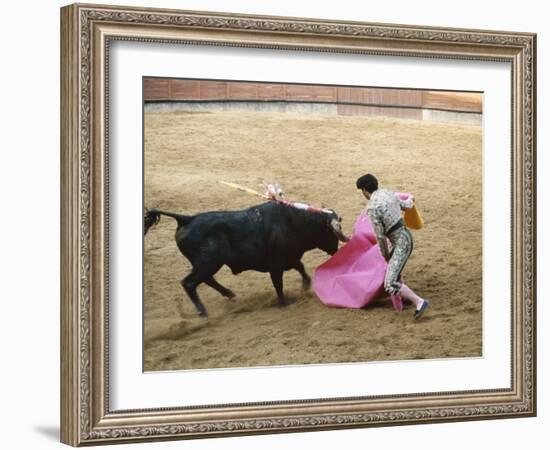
(86, 33)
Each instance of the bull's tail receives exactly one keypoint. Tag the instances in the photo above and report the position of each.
(152, 216)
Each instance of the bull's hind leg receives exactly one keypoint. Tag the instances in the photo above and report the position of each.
(306, 280)
(199, 274)
(277, 279)
(189, 284)
(220, 288)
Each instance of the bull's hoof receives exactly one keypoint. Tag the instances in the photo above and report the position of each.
(306, 285)
(201, 310)
(283, 302)
(229, 294)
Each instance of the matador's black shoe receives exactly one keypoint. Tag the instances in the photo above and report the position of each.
(418, 313)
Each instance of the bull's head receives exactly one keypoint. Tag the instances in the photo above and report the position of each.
(335, 232)
(336, 226)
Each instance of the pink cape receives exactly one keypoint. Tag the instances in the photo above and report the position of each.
(354, 276)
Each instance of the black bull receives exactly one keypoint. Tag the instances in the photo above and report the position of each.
(270, 237)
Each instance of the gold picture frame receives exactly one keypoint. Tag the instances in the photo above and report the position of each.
(86, 34)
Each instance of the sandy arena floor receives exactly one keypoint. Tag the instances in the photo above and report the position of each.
(316, 159)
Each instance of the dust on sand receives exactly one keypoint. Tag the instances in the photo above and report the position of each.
(317, 159)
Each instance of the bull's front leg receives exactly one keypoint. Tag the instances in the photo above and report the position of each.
(306, 280)
(277, 279)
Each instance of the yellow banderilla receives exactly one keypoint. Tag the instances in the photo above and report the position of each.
(244, 189)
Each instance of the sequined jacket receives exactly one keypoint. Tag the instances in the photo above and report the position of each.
(384, 211)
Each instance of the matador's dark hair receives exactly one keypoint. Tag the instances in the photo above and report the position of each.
(368, 182)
